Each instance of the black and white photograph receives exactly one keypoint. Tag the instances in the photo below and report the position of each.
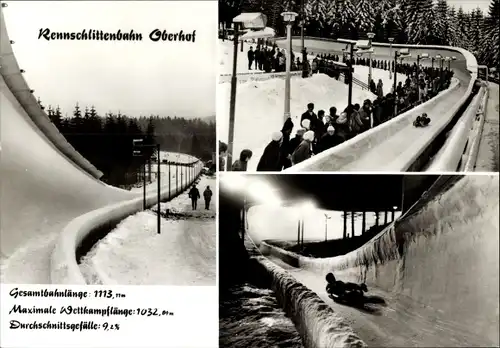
(335, 260)
(108, 142)
(358, 85)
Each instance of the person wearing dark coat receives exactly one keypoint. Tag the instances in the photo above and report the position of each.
(303, 151)
(194, 194)
(329, 140)
(207, 195)
(309, 115)
(241, 164)
(296, 140)
(251, 57)
(285, 153)
(270, 160)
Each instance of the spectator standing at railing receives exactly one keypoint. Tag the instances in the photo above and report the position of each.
(373, 87)
(329, 140)
(380, 88)
(241, 164)
(251, 57)
(257, 57)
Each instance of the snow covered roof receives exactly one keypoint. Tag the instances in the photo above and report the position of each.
(251, 20)
(257, 34)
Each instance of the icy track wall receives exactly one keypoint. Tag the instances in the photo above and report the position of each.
(316, 322)
(445, 257)
(14, 79)
(374, 135)
(64, 265)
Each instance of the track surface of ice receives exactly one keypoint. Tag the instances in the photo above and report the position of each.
(135, 254)
(442, 290)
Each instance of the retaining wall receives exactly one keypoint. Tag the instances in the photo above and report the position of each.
(64, 267)
(14, 79)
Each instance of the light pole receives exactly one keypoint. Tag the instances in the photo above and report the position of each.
(370, 38)
(289, 18)
(232, 102)
(326, 226)
(259, 22)
(391, 40)
(137, 151)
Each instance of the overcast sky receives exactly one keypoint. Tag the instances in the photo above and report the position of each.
(469, 5)
(137, 78)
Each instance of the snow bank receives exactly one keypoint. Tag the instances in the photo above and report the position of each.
(443, 255)
(316, 322)
(64, 267)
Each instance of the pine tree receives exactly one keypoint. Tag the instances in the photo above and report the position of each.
(489, 48)
(441, 26)
(476, 27)
(420, 23)
(454, 31)
(347, 19)
(365, 17)
(76, 121)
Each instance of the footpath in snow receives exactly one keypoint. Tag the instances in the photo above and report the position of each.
(260, 104)
(183, 254)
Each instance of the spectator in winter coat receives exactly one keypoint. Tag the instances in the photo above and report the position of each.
(373, 87)
(295, 141)
(270, 160)
(356, 123)
(309, 114)
(303, 151)
(380, 88)
(194, 194)
(241, 164)
(366, 115)
(258, 58)
(333, 114)
(207, 194)
(342, 126)
(329, 140)
(285, 153)
(222, 154)
(251, 57)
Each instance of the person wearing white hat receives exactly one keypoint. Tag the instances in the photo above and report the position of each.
(303, 151)
(329, 140)
(270, 159)
(306, 124)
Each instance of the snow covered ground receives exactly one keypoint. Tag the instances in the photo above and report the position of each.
(260, 104)
(135, 254)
